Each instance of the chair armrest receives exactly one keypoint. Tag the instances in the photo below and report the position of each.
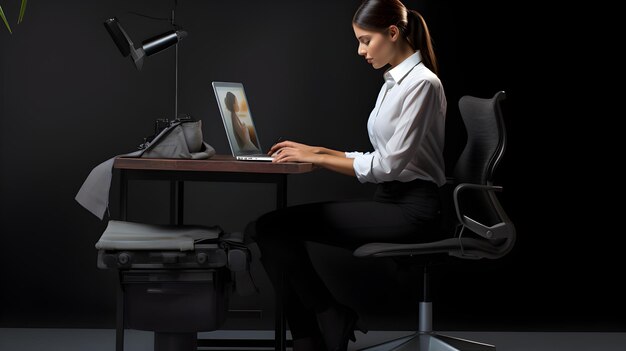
(488, 232)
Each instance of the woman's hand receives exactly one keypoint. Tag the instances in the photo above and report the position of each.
(297, 154)
(293, 145)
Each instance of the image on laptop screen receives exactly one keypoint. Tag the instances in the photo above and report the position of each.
(237, 118)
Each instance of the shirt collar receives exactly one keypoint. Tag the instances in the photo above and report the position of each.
(394, 75)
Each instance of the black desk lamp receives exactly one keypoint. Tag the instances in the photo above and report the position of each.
(148, 47)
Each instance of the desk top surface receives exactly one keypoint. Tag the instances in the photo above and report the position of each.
(217, 163)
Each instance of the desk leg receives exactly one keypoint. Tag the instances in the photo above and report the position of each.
(119, 323)
(123, 195)
(177, 201)
(119, 317)
(280, 330)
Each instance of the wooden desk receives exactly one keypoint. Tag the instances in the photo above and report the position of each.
(217, 163)
(219, 168)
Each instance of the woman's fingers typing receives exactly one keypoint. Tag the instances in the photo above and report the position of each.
(277, 147)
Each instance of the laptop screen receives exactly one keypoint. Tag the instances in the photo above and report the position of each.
(237, 118)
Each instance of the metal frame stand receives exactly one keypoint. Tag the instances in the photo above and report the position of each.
(189, 341)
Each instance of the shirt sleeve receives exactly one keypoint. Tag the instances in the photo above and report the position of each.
(386, 163)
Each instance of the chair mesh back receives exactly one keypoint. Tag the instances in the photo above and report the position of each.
(486, 140)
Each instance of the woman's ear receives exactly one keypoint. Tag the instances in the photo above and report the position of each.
(393, 32)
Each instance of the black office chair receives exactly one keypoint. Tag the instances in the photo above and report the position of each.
(491, 233)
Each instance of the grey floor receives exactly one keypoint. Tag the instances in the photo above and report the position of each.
(104, 339)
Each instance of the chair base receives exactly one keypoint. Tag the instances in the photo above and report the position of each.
(430, 342)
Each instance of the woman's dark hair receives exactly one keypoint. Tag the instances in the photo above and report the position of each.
(230, 101)
(378, 15)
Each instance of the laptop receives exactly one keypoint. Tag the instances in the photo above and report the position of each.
(235, 110)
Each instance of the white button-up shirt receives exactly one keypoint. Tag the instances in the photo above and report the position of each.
(406, 128)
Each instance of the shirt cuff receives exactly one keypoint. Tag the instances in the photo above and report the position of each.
(363, 168)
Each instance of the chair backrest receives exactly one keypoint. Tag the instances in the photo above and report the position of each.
(486, 139)
(486, 142)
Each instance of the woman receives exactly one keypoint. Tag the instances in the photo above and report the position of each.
(242, 133)
(406, 128)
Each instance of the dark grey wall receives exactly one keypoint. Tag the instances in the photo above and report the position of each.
(69, 101)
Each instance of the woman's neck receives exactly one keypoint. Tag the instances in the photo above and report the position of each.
(404, 51)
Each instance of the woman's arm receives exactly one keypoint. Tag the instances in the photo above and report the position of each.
(340, 164)
(289, 151)
(327, 151)
(319, 150)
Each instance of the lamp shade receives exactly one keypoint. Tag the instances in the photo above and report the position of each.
(162, 41)
(117, 34)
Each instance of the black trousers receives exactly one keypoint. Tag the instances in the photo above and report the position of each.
(398, 212)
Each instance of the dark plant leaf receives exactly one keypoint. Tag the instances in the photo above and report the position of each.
(22, 11)
(5, 20)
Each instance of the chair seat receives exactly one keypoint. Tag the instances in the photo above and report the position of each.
(465, 247)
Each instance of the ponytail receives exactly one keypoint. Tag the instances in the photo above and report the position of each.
(378, 15)
(418, 36)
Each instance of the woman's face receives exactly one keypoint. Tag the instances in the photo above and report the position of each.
(376, 47)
